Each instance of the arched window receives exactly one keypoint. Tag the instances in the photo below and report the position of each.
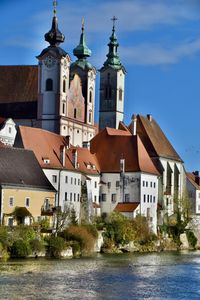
(120, 94)
(90, 98)
(49, 84)
(74, 113)
(90, 117)
(108, 78)
(64, 86)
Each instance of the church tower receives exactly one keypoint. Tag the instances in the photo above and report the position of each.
(87, 74)
(53, 80)
(112, 76)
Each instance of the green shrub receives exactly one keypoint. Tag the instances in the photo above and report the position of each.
(192, 240)
(5, 238)
(37, 245)
(20, 249)
(91, 228)
(76, 248)
(56, 245)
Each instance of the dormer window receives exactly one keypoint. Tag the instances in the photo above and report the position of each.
(46, 160)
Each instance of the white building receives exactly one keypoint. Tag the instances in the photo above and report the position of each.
(127, 173)
(172, 182)
(7, 131)
(193, 190)
(66, 167)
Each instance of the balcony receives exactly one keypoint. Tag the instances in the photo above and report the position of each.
(47, 210)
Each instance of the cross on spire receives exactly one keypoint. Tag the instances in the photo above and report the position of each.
(83, 24)
(114, 19)
(55, 3)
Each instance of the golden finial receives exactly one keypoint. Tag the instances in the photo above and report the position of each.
(55, 3)
(83, 24)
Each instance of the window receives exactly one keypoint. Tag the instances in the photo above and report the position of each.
(109, 185)
(27, 202)
(66, 179)
(70, 196)
(90, 117)
(63, 108)
(78, 197)
(74, 113)
(71, 180)
(120, 94)
(90, 98)
(148, 198)
(64, 86)
(113, 198)
(151, 184)
(11, 201)
(79, 181)
(198, 207)
(144, 197)
(154, 199)
(46, 204)
(75, 181)
(9, 129)
(151, 198)
(154, 184)
(49, 85)
(95, 184)
(54, 178)
(74, 197)
(103, 197)
(143, 183)
(146, 183)
(10, 221)
(117, 184)
(65, 196)
(95, 198)
(127, 197)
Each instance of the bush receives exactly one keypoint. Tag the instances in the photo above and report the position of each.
(142, 233)
(56, 245)
(20, 249)
(192, 240)
(5, 238)
(37, 245)
(91, 228)
(80, 234)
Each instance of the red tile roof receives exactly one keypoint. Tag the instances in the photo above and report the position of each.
(47, 145)
(154, 139)
(110, 145)
(18, 84)
(126, 207)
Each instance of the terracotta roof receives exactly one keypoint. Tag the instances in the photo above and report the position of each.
(110, 145)
(126, 206)
(19, 167)
(47, 145)
(191, 178)
(18, 84)
(154, 139)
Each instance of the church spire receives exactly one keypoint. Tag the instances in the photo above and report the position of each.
(54, 36)
(113, 59)
(82, 51)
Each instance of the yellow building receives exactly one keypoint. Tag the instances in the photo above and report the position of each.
(23, 185)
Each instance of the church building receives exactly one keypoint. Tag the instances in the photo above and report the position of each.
(56, 95)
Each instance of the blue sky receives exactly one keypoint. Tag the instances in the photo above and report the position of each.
(159, 47)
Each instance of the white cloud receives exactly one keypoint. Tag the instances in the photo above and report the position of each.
(155, 54)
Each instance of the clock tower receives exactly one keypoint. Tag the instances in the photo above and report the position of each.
(53, 80)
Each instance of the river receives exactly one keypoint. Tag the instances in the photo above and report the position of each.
(155, 276)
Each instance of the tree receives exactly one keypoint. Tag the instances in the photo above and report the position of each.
(73, 219)
(61, 218)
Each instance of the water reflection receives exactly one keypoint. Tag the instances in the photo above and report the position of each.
(127, 276)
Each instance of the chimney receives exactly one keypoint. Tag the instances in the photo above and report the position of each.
(134, 124)
(197, 179)
(86, 145)
(67, 141)
(62, 155)
(149, 117)
(75, 158)
(122, 165)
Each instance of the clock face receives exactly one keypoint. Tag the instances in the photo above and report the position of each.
(49, 61)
